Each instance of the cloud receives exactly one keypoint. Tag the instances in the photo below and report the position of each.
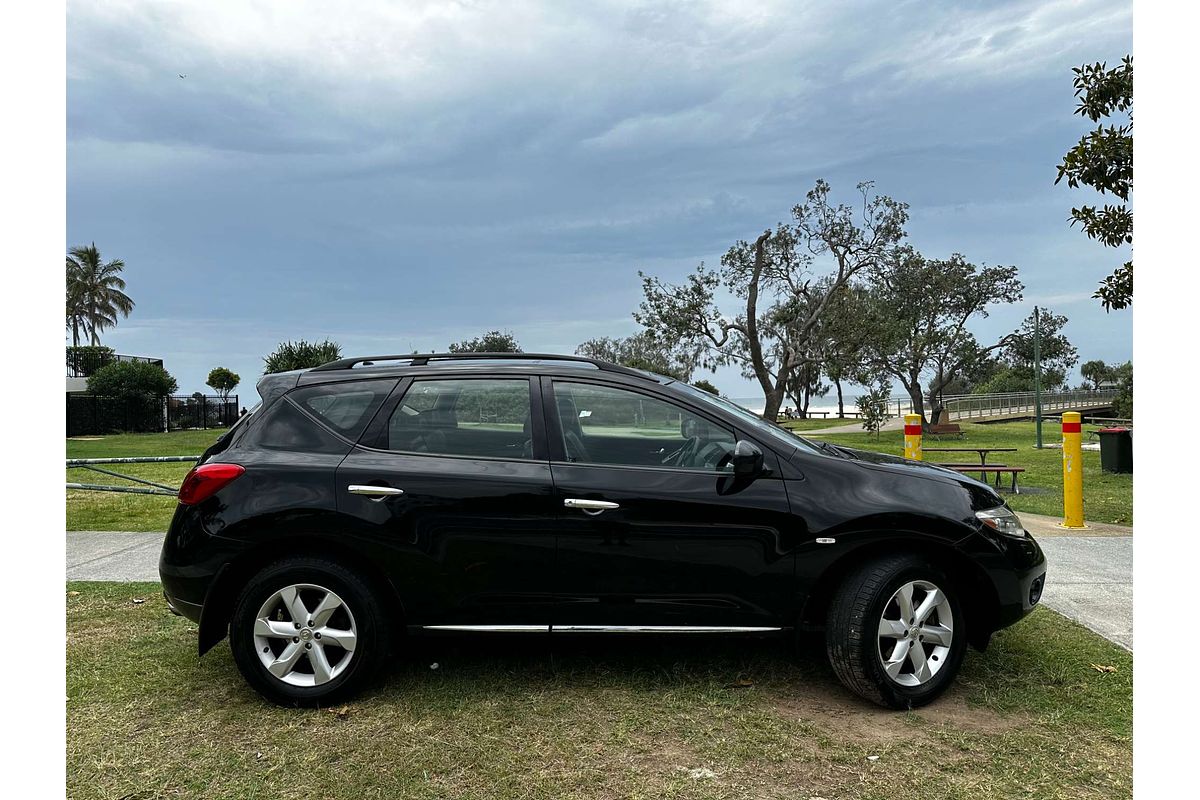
(439, 166)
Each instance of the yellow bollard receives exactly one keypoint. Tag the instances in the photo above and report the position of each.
(912, 437)
(1072, 459)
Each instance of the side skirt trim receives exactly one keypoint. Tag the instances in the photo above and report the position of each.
(490, 628)
(600, 628)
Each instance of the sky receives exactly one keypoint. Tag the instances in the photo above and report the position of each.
(397, 176)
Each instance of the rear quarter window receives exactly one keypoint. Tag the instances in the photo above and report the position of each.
(286, 427)
(344, 408)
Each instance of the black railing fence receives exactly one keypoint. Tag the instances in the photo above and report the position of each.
(94, 415)
(84, 362)
(201, 411)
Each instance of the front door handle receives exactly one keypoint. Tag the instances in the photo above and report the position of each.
(374, 492)
(592, 507)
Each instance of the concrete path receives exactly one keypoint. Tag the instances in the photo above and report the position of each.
(112, 556)
(1090, 578)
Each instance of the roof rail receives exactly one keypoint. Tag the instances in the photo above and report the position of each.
(421, 359)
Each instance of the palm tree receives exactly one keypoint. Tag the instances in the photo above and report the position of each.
(95, 293)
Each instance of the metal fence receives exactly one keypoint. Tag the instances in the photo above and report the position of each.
(201, 411)
(83, 363)
(95, 415)
(968, 406)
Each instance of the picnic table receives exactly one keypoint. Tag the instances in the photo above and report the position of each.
(982, 451)
(984, 469)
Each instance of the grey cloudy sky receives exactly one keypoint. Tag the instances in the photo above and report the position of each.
(397, 176)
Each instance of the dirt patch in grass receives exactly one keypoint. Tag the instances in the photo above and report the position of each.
(839, 714)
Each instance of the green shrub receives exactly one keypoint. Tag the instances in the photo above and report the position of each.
(301, 355)
(130, 379)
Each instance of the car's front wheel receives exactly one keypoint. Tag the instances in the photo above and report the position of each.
(308, 631)
(895, 632)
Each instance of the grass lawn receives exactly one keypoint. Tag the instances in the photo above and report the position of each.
(1107, 497)
(818, 423)
(1030, 718)
(109, 511)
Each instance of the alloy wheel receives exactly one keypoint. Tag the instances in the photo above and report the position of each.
(305, 635)
(916, 630)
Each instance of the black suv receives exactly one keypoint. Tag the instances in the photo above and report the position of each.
(373, 498)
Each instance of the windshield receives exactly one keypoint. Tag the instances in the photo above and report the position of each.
(780, 435)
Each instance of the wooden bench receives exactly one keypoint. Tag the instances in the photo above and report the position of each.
(948, 429)
(990, 469)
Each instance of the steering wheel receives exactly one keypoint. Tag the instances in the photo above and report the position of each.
(684, 455)
(714, 456)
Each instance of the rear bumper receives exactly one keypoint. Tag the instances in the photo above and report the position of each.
(190, 560)
(182, 608)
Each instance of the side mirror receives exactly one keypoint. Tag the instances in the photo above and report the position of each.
(747, 460)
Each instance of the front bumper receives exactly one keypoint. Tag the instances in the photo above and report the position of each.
(1019, 575)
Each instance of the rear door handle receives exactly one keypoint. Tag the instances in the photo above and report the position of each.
(374, 492)
(590, 506)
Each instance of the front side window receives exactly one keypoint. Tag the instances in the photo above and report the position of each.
(481, 418)
(607, 425)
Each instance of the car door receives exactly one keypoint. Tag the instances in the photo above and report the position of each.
(655, 532)
(452, 473)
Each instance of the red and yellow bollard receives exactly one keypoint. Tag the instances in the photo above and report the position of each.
(1072, 459)
(912, 437)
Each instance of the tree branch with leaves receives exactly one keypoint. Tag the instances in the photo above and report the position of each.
(782, 298)
(1103, 160)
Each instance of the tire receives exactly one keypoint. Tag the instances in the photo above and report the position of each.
(862, 631)
(317, 663)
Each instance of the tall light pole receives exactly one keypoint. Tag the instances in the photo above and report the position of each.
(1037, 373)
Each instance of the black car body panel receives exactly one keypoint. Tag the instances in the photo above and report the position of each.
(479, 540)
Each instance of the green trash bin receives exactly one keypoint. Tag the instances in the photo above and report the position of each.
(1116, 449)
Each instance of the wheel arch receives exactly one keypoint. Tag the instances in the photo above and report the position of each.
(222, 594)
(975, 588)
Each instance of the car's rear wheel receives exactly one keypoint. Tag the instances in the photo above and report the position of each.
(308, 631)
(896, 632)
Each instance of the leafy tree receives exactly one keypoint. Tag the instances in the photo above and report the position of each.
(95, 293)
(223, 381)
(780, 304)
(805, 385)
(130, 379)
(1097, 372)
(490, 342)
(918, 313)
(85, 358)
(301, 355)
(706, 386)
(873, 406)
(1016, 371)
(643, 351)
(846, 330)
(1123, 404)
(1103, 160)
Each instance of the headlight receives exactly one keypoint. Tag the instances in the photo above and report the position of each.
(1002, 520)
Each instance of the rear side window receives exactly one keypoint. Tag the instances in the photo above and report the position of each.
(344, 408)
(481, 418)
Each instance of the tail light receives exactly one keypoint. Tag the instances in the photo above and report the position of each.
(206, 480)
